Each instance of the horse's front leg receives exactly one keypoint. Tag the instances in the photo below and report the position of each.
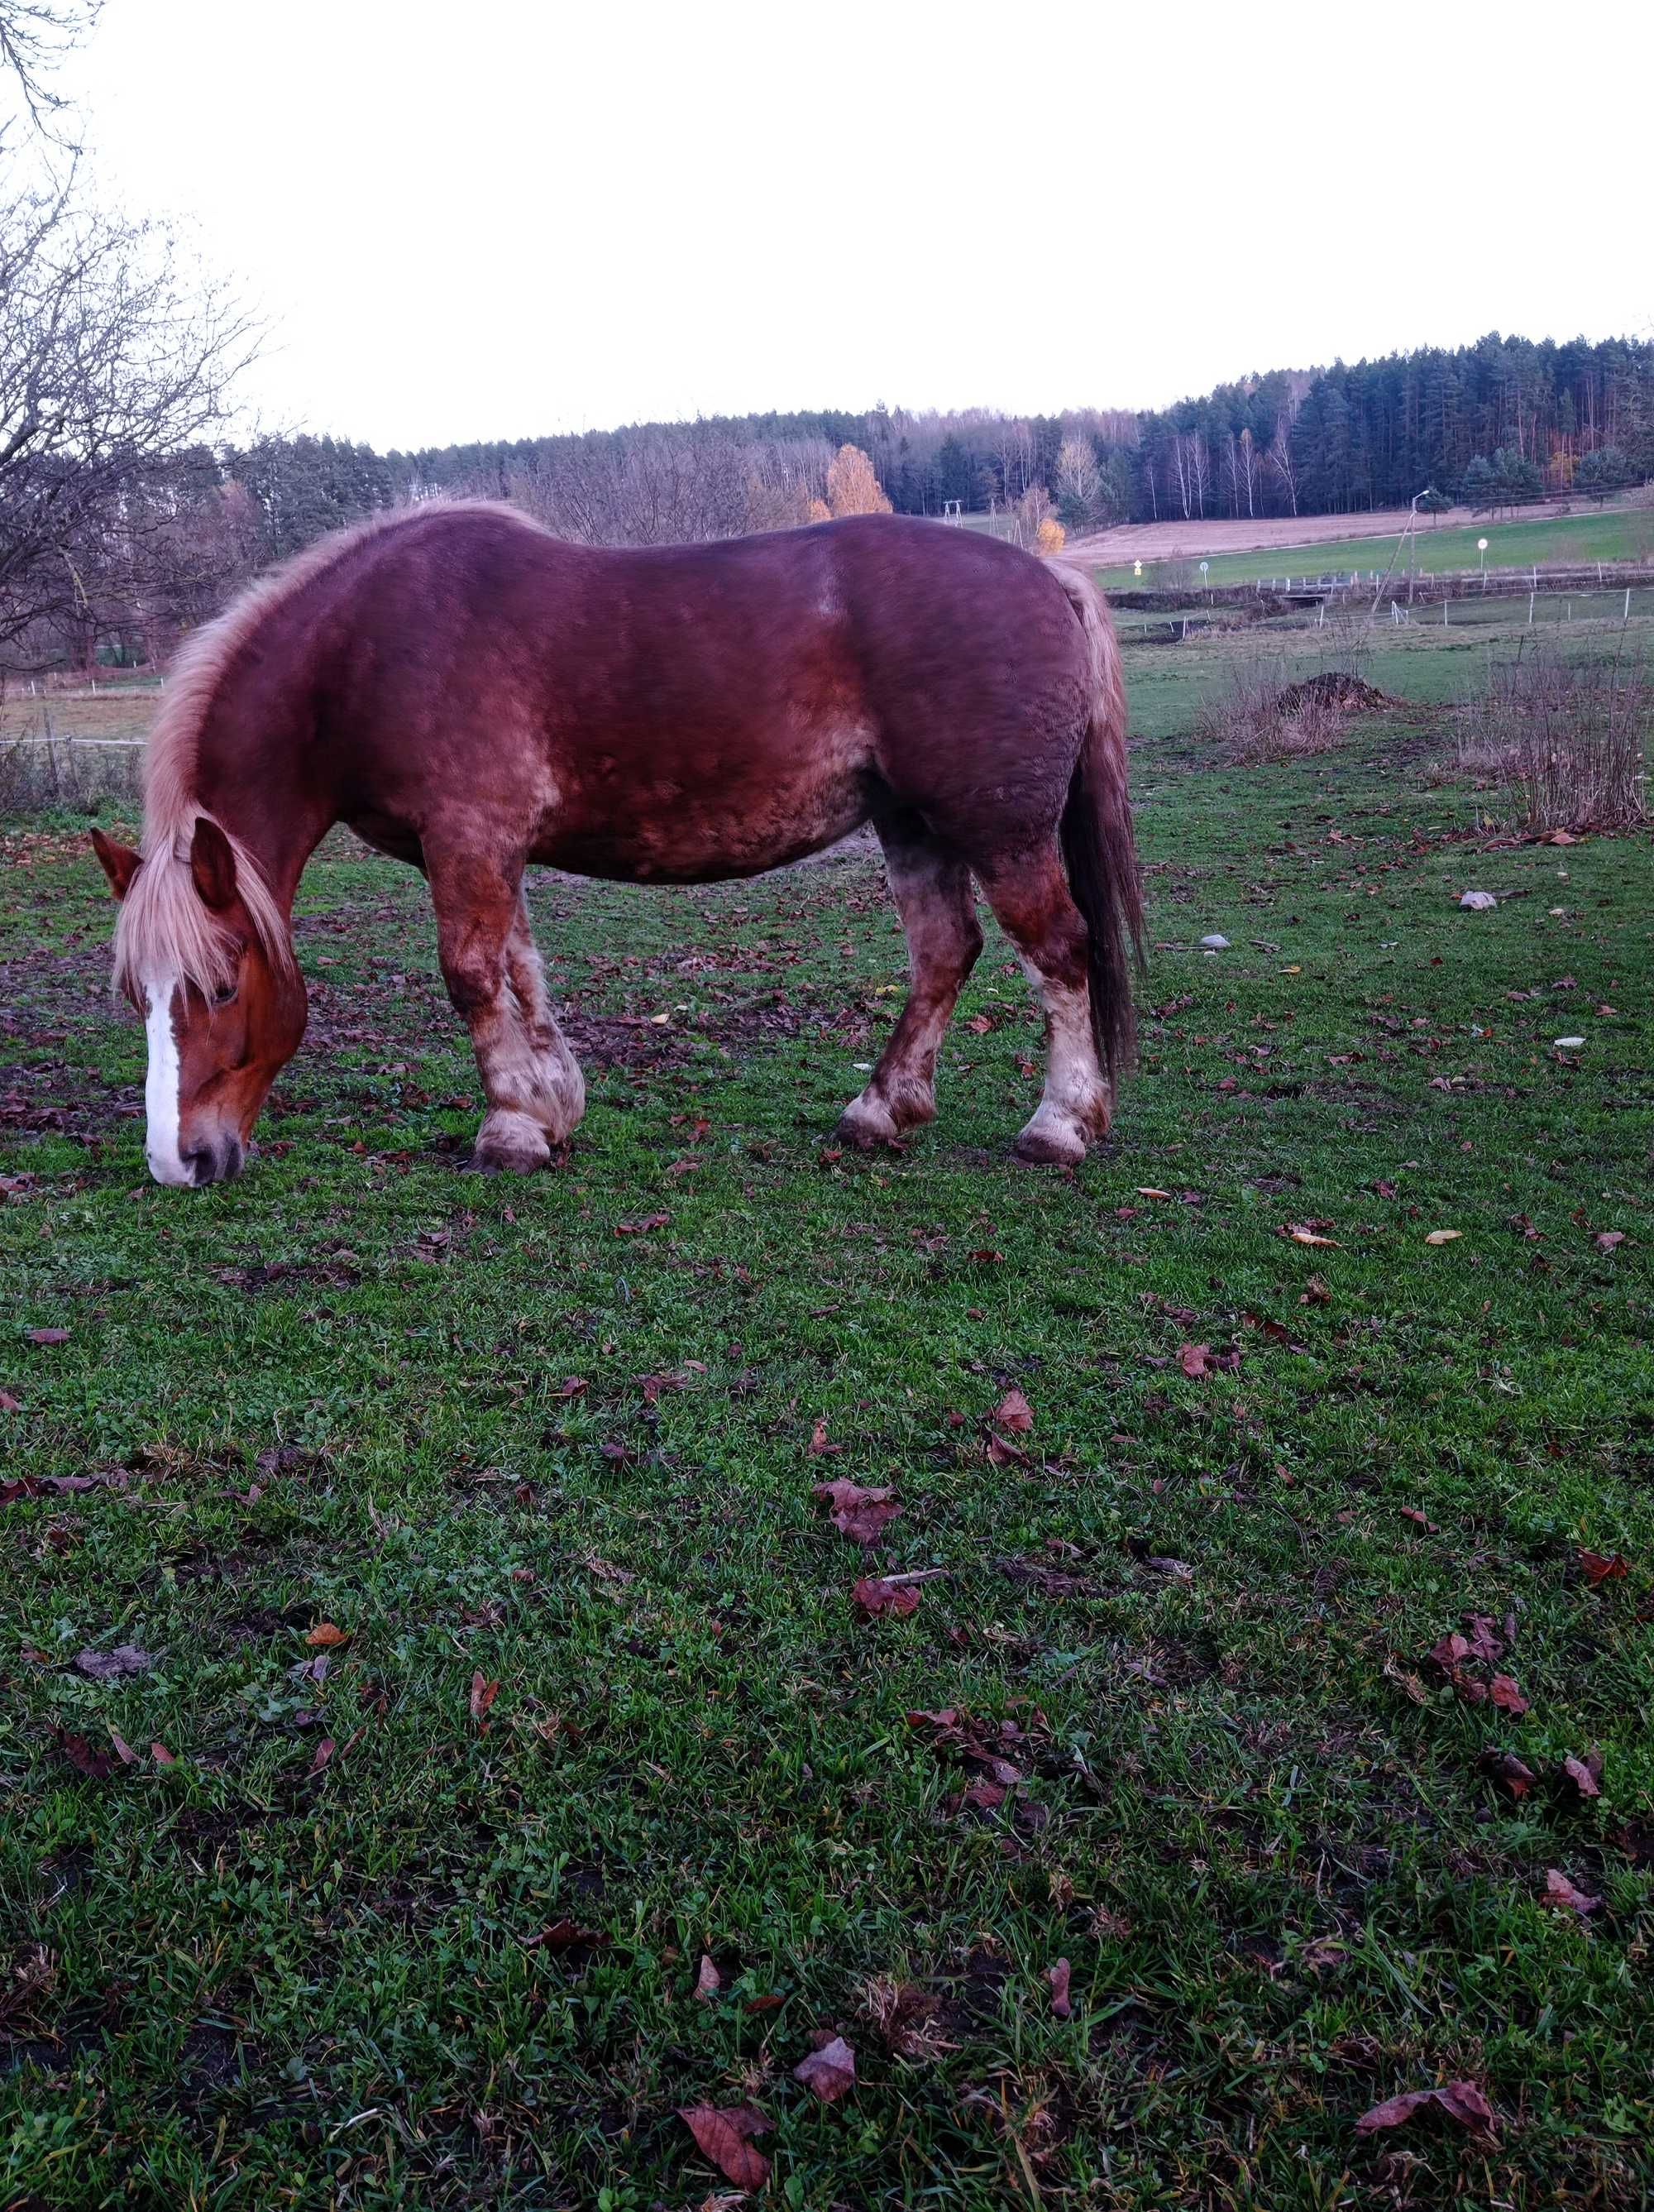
(533, 1086)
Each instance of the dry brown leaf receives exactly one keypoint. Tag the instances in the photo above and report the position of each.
(722, 2136)
(1058, 1976)
(1014, 1413)
(1585, 1774)
(1600, 1568)
(326, 1634)
(875, 1598)
(857, 1513)
(1460, 2100)
(1561, 1892)
(708, 1981)
(1444, 1236)
(829, 2071)
(1502, 1692)
(109, 1666)
(1297, 1233)
(483, 1694)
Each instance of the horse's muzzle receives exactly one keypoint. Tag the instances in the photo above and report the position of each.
(221, 1161)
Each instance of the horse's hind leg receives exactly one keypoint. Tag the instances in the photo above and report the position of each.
(493, 971)
(932, 889)
(1031, 900)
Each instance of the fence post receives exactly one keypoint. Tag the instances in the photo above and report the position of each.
(1531, 600)
(1626, 615)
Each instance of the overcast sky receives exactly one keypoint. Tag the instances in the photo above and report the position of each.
(503, 219)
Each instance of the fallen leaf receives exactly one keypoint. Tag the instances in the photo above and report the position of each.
(1179, 1570)
(1413, 1513)
(1609, 1238)
(1195, 1360)
(1600, 1569)
(1503, 1692)
(1561, 1892)
(1297, 1233)
(1444, 1236)
(857, 1513)
(644, 1228)
(108, 1666)
(483, 1694)
(85, 1757)
(323, 1753)
(123, 1750)
(1004, 1453)
(1014, 1413)
(1460, 2100)
(1586, 1773)
(162, 1756)
(1515, 1778)
(9, 1404)
(818, 1441)
(571, 1387)
(1057, 1976)
(708, 1981)
(1485, 1642)
(1148, 1190)
(828, 2071)
(874, 1598)
(722, 2136)
(326, 1635)
(567, 1935)
(46, 1335)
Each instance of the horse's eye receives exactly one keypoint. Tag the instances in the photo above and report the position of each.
(224, 994)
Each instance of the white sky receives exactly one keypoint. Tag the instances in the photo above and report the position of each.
(508, 218)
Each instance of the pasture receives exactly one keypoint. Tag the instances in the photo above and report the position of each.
(1610, 533)
(494, 1665)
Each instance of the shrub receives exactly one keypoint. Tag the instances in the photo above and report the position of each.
(1256, 715)
(1572, 735)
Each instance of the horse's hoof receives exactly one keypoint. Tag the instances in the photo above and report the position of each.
(511, 1144)
(1052, 1145)
(868, 1122)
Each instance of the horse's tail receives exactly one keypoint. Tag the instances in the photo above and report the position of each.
(1099, 848)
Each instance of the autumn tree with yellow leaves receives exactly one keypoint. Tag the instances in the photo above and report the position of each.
(851, 486)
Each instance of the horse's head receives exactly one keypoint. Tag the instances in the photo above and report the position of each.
(203, 952)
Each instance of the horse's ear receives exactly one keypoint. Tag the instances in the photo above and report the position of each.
(119, 862)
(212, 863)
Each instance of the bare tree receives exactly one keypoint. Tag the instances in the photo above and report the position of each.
(1078, 478)
(1283, 462)
(35, 35)
(116, 360)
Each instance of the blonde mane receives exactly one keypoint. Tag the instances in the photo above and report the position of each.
(163, 928)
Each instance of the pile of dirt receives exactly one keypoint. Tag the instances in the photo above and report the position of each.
(1333, 689)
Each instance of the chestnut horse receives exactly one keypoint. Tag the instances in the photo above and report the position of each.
(470, 694)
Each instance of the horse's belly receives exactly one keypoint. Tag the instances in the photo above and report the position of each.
(697, 828)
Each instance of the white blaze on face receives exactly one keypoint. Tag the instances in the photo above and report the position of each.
(160, 1090)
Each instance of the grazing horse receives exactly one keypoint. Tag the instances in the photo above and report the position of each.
(470, 694)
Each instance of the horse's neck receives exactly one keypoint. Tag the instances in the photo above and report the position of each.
(252, 786)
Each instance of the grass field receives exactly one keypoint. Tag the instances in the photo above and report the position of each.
(1610, 534)
(295, 1918)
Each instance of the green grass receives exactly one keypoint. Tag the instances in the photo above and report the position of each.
(1607, 534)
(1255, 1819)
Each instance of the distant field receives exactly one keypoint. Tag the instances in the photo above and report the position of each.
(1614, 534)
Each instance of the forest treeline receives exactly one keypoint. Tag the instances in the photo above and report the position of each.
(1497, 422)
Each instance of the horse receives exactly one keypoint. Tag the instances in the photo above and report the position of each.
(470, 694)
